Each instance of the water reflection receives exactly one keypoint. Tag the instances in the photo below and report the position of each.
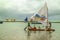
(28, 35)
(36, 35)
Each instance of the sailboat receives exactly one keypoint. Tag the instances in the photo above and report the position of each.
(42, 17)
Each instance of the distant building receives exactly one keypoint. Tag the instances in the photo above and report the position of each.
(10, 20)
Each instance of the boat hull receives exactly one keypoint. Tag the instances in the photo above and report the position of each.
(42, 30)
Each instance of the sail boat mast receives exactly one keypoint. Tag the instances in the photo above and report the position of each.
(46, 14)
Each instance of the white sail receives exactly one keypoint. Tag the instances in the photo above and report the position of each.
(43, 13)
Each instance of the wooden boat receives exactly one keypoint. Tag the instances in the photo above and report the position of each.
(42, 30)
(39, 29)
(42, 17)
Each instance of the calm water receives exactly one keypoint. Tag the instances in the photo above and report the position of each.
(15, 31)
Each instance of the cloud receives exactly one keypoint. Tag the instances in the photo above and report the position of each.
(29, 6)
(53, 4)
(26, 6)
(10, 8)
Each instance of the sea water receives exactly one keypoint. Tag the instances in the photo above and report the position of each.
(15, 31)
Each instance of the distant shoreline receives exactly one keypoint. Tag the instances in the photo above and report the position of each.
(24, 21)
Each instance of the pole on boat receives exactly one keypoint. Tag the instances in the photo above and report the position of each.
(48, 23)
(46, 14)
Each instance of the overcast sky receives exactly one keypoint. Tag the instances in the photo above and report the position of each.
(28, 7)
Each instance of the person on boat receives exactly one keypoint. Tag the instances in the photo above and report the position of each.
(28, 24)
(34, 28)
(29, 27)
(50, 24)
(48, 27)
(39, 27)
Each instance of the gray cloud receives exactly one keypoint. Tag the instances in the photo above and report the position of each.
(9, 9)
